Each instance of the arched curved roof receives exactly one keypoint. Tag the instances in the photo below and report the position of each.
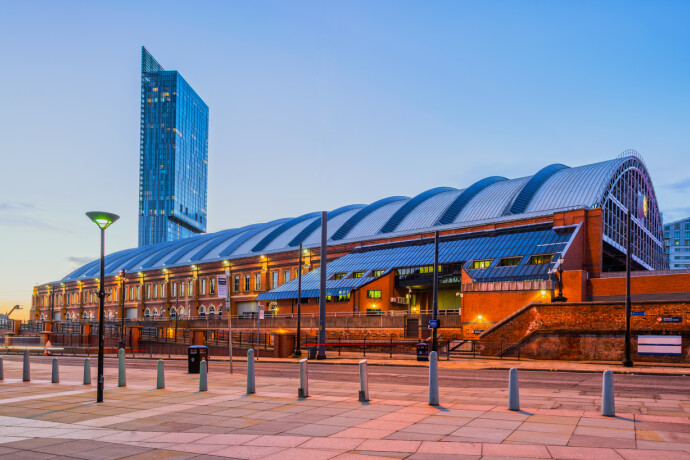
(553, 188)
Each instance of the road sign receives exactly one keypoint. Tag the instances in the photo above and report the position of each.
(262, 311)
(638, 313)
(670, 319)
(433, 324)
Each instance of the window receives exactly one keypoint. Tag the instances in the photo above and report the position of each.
(481, 263)
(246, 283)
(155, 291)
(257, 281)
(148, 291)
(377, 273)
(236, 282)
(174, 290)
(162, 291)
(182, 289)
(131, 293)
(509, 261)
(139, 292)
(357, 274)
(286, 276)
(339, 276)
(190, 290)
(338, 298)
(212, 288)
(542, 259)
(373, 294)
(274, 280)
(203, 286)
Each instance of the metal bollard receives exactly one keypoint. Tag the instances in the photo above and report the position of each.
(87, 371)
(303, 390)
(608, 405)
(513, 390)
(251, 384)
(55, 378)
(203, 382)
(363, 381)
(26, 375)
(121, 377)
(160, 379)
(2, 377)
(433, 379)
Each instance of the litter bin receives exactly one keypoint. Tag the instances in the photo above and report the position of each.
(422, 351)
(195, 354)
(312, 352)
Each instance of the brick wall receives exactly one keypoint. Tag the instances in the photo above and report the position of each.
(584, 330)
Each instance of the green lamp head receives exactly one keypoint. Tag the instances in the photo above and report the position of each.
(102, 219)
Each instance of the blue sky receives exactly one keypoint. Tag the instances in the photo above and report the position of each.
(314, 105)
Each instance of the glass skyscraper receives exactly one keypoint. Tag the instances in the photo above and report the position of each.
(173, 159)
(677, 239)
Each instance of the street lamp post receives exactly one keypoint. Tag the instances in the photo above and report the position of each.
(103, 220)
(123, 273)
(298, 349)
(434, 313)
(627, 362)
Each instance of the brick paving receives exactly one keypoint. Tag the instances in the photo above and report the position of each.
(40, 420)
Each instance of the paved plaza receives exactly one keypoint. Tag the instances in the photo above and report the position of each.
(40, 420)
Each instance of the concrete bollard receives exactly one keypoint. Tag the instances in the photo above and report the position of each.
(121, 376)
(608, 405)
(513, 390)
(55, 378)
(87, 371)
(203, 381)
(26, 375)
(251, 384)
(303, 390)
(433, 379)
(2, 377)
(363, 381)
(160, 379)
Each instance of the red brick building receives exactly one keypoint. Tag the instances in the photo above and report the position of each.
(502, 242)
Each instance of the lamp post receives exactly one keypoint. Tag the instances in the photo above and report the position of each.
(103, 220)
(627, 362)
(559, 271)
(123, 273)
(434, 313)
(298, 349)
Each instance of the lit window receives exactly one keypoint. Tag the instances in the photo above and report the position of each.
(339, 276)
(481, 263)
(373, 294)
(286, 276)
(257, 281)
(541, 259)
(377, 273)
(357, 274)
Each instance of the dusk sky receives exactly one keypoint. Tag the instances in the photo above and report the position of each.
(315, 105)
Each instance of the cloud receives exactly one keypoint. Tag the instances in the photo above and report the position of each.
(19, 214)
(80, 260)
(680, 186)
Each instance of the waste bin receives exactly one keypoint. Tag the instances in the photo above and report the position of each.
(195, 354)
(422, 351)
(312, 352)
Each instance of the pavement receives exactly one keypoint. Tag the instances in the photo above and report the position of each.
(477, 363)
(40, 420)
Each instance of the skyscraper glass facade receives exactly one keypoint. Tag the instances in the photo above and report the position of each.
(677, 239)
(173, 160)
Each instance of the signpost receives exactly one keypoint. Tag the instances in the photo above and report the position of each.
(258, 328)
(433, 324)
(223, 292)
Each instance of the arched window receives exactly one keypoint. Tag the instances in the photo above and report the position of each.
(43, 317)
(182, 312)
(84, 316)
(202, 312)
(173, 313)
(91, 316)
(155, 313)
(147, 313)
(212, 312)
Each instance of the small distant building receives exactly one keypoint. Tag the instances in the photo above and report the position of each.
(677, 242)
(173, 165)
